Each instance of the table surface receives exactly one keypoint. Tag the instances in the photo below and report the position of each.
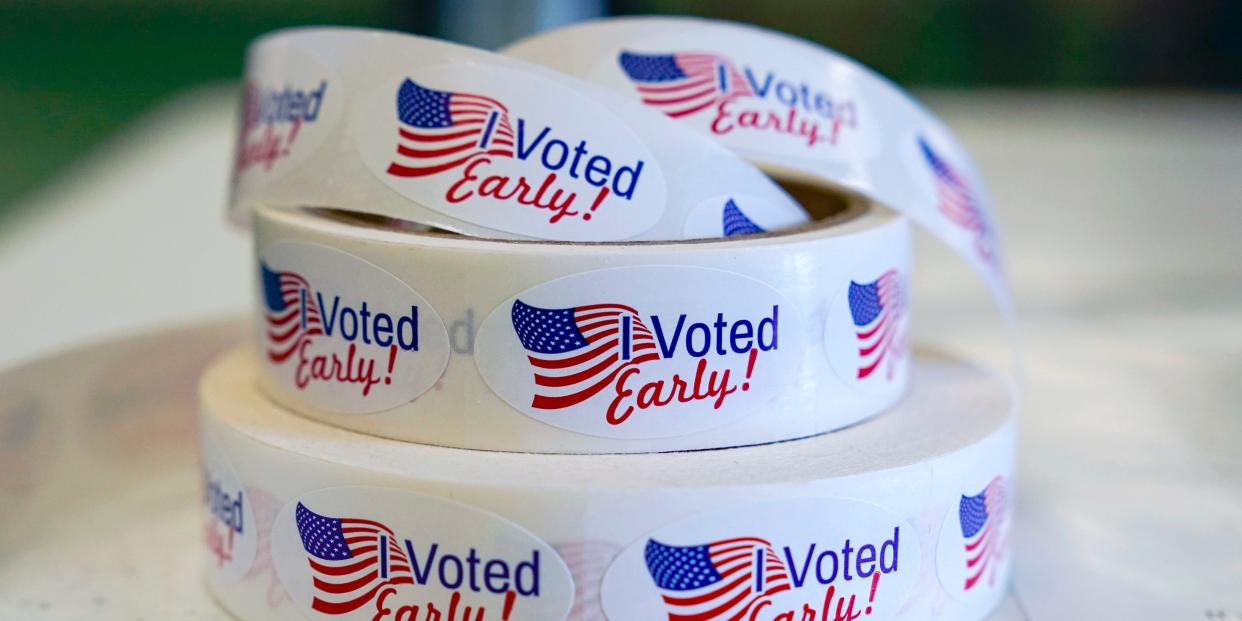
(1119, 215)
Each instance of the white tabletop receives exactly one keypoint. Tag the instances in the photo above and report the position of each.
(1120, 214)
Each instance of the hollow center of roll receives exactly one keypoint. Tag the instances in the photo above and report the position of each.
(822, 204)
(825, 206)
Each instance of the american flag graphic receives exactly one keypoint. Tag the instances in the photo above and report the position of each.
(684, 83)
(441, 130)
(877, 308)
(734, 222)
(957, 202)
(720, 581)
(292, 315)
(578, 351)
(981, 517)
(351, 560)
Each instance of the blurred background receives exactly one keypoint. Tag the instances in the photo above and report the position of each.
(1110, 133)
(74, 72)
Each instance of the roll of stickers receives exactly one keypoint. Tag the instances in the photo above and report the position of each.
(906, 517)
(796, 109)
(582, 348)
(481, 144)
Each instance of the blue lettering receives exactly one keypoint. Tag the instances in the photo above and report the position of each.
(598, 171)
(383, 329)
(407, 330)
(227, 508)
(819, 566)
(886, 548)
(740, 336)
(329, 318)
(372, 327)
(835, 563)
(760, 90)
(524, 150)
(625, 337)
(721, 336)
(421, 572)
(666, 347)
(555, 162)
(865, 557)
(700, 328)
(487, 130)
(383, 554)
(600, 166)
(495, 575)
(302, 307)
(794, 95)
(759, 564)
(351, 332)
(798, 578)
(787, 94)
(771, 342)
(287, 105)
(451, 564)
(626, 180)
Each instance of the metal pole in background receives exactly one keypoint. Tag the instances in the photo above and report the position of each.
(490, 24)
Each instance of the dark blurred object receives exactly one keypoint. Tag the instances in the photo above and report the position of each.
(74, 71)
(1079, 43)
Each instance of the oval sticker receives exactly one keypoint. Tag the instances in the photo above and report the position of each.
(733, 215)
(752, 91)
(836, 558)
(290, 103)
(640, 352)
(866, 333)
(360, 553)
(972, 553)
(229, 530)
(512, 151)
(945, 179)
(343, 333)
(974, 540)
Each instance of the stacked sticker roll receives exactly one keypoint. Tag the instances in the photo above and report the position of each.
(497, 293)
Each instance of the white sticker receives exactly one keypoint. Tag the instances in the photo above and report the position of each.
(229, 530)
(344, 333)
(866, 332)
(794, 559)
(641, 352)
(363, 553)
(512, 151)
(943, 177)
(732, 215)
(974, 540)
(755, 93)
(290, 103)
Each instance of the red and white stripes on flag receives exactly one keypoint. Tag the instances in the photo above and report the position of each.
(719, 581)
(350, 560)
(683, 83)
(577, 352)
(292, 315)
(441, 130)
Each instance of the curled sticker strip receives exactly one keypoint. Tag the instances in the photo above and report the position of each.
(876, 521)
(470, 141)
(796, 109)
